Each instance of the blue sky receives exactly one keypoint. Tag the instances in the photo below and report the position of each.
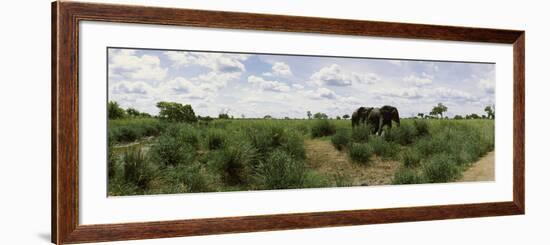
(255, 85)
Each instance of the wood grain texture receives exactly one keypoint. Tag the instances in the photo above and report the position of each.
(519, 123)
(65, 221)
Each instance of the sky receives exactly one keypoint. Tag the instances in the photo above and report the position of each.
(255, 85)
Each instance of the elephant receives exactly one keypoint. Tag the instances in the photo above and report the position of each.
(380, 117)
(360, 116)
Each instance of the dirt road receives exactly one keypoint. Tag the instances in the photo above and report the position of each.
(334, 164)
(482, 170)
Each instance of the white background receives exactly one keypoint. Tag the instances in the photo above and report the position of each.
(25, 101)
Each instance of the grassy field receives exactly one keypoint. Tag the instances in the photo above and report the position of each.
(148, 156)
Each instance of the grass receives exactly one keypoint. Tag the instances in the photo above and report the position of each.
(281, 171)
(341, 139)
(322, 127)
(236, 155)
(132, 129)
(361, 152)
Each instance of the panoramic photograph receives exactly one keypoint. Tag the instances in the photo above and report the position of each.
(184, 121)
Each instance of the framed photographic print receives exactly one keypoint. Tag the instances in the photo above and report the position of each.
(176, 122)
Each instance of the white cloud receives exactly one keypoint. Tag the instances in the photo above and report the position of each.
(279, 69)
(330, 75)
(320, 93)
(220, 62)
(127, 87)
(420, 81)
(487, 85)
(297, 86)
(183, 88)
(334, 76)
(266, 85)
(125, 64)
(214, 81)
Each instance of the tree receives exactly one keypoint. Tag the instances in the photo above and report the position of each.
(458, 117)
(439, 109)
(115, 111)
(308, 114)
(268, 117)
(346, 116)
(320, 115)
(420, 115)
(176, 112)
(473, 116)
(338, 118)
(490, 112)
(223, 116)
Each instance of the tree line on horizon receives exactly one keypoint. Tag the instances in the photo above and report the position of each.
(177, 112)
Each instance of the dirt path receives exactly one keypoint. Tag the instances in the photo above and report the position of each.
(482, 170)
(328, 161)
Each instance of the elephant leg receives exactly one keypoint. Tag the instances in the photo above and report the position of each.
(380, 126)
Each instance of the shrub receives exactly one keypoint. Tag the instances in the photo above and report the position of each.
(402, 135)
(185, 133)
(234, 163)
(293, 143)
(128, 134)
(313, 179)
(421, 127)
(171, 151)
(281, 171)
(322, 128)
(410, 158)
(341, 139)
(137, 171)
(215, 139)
(191, 178)
(265, 137)
(406, 176)
(111, 158)
(361, 133)
(360, 152)
(382, 148)
(440, 169)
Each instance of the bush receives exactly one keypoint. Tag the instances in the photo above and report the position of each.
(293, 143)
(410, 158)
(215, 139)
(265, 137)
(361, 133)
(406, 176)
(137, 171)
(322, 128)
(235, 163)
(382, 148)
(440, 169)
(360, 152)
(402, 135)
(421, 127)
(313, 179)
(191, 178)
(281, 171)
(341, 139)
(185, 133)
(171, 151)
(111, 159)
(132, 129)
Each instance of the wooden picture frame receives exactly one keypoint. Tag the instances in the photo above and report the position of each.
(65, 121)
